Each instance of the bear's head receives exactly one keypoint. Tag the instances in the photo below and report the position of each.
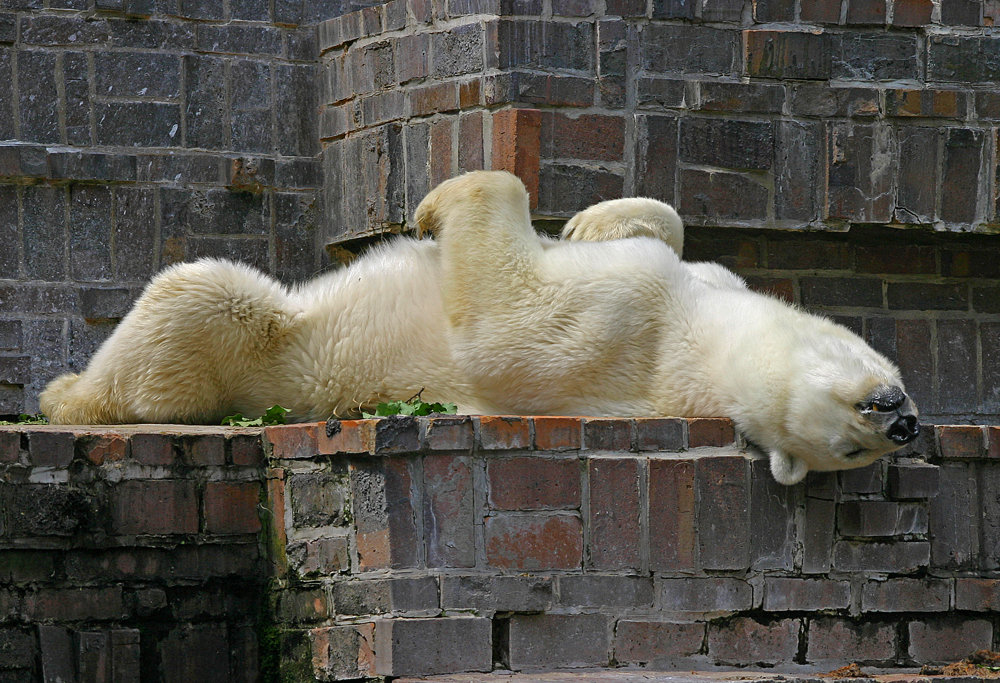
(846, 407)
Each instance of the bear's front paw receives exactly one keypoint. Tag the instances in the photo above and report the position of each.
(787, 469)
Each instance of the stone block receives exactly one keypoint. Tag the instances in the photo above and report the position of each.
(138, 124)
(548, 641)
(432, 646)
(320, 556)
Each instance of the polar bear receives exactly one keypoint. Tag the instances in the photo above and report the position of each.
(499, 320)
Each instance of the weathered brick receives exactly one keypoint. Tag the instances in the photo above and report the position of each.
(727, 143)
(343, 652)
(633, 592)
(450, 433)
(990, 515)
(957, 365)
(797, 153)
(961, 441)
(680, 49)
(56, 645)
(161, 506)
(697, 594)
(859, 172)
(318, 498)
(50, 448)
(614, 513)
(954, 518)
(660, 434)
(232, 507)
(320, 556)
(384, 516)
(42, 221)
(911, 12)
(198, 651)
(74, 604)
(533, 483)
(559, 640)
(868, 642)
(557, 433)
(861, 479)
(607, 434)
(812, 595)
(906, 595)
(299, 606)
(710, 431)
(538, 541)
(875, 56)
(503, 433)
(948, 639)
(427, 646)
(903, 557)
(788, 54)
(909, 479)
(153, 449)
(977, 595)
(639, 642)
(963, 151)
(881, 518)
(772, 517)
(671, 514)
(835, 291)
(744, 641)
(46, 510)
(383, 596)
(497, 593)
(586, 137)
(449, 515)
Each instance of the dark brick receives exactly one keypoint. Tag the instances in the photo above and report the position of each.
(205, 102)
(772, 517)
(659, 93)
(217, 212)
(98, 303)
(990, 516)
(912, 12)
(812, 595)
(135, 74)
(246, 39)
(449, 529)
(681, 49)
(903, 557)
(954, 518)
(250, 106)
(671, 514)
(963, 150)
(343, 652)
(727, 143)
(744, 641)
(318, 499)
(43, 225)
(659, 434)
(384, 516)
(875, 56)
(861, 479)
(632, 592)
(948, 639)
(957, 365)
(989, 335)
(788, 54)
(854, 292)
(607, 434)
(614, 512)
(925, 103)
(559, 640)
(721, 196)
(426, 646)
(232, 507)
(822, 11)
(723, 513)
(918, 182)
(590, 136)
(881, 518)
(867, 642)
(814, 99)
(865, 11)
(532, 483)
(674, 9)
(162, 506)
(909, 479)
(906, 595)
(138, 124)
(859, 173)
(458, 51)
(640, 642)
(741, 97)
(961, 12)
(977, 595)
(497, 593)
(62, 30)
(656, 156)
(384, 596)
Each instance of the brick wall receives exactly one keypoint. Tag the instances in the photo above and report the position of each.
(450, 544)
(841, 153)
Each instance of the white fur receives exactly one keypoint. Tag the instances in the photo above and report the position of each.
(492, 317)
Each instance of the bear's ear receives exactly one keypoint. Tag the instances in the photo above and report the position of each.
(787, 469)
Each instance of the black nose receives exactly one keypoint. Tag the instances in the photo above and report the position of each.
(904, 430)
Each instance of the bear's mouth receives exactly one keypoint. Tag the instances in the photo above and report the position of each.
(856, 454)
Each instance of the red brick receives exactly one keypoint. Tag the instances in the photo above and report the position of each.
(232, 507)
(671, 514)
(503, 432)
(993, 442)
(710, 431)
(867, 642)
(866, 11)
(158, 506)
(660, 433)
(557, 433)
(534, 542)
(593, 137)
(10, 445)
(645, 642)
(744, 641)
(289, 442)
(343, 652)
(821, 11)
(346, 436)
(206, 449)
(533, 483)
(449, 515)
(441, 151)
(153, 449)
(906, 595)
(948, 639)
(51, 448)
(246, 450)
(615, 538)
(911, 12)
(470, 141)
(432, 99)
(517, 146)
(470, 93)
(449, 433)
(101, 448)
(961, 441)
